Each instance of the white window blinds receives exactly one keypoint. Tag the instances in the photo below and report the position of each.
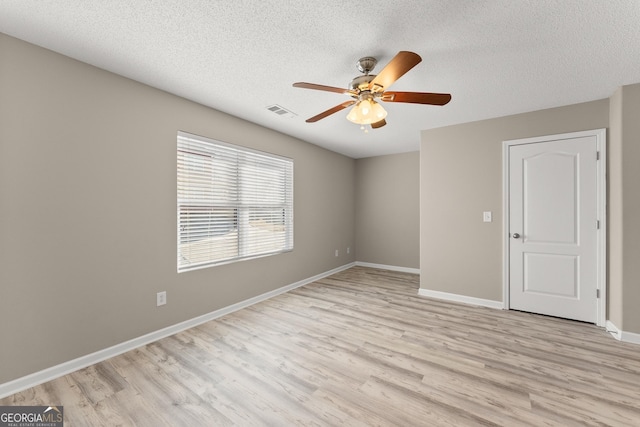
(233, 203)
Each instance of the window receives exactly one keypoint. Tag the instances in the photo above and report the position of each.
(233, 203)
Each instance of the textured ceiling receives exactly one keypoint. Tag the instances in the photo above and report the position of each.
(495, 57)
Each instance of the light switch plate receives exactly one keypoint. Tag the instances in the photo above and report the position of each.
(161, 298)
(486, 216)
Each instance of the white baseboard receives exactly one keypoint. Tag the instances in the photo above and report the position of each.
(461, 298)
(31, 380)
(613, 330)
(620, 335)
(388, 267)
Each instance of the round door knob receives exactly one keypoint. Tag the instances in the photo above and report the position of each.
(516, 235)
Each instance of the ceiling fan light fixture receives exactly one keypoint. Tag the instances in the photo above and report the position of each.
(366, 112)
(365, 107)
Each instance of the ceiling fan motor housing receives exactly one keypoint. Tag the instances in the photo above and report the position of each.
(361, 83)
(366, 64)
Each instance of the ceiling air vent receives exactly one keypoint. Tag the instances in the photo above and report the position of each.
(281, 111)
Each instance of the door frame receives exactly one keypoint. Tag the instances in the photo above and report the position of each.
(601, 183)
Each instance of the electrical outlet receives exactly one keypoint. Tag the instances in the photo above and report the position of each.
(348, 250)
(161, 298)
(337, 252)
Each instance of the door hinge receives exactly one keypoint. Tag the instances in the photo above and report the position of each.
(597, 293)
(597, 155)
(598, 224)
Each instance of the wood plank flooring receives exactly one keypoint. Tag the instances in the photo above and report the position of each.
(360, 348)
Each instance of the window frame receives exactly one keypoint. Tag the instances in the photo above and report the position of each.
(262, 209)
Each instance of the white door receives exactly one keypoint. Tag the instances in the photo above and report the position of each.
(553, 226)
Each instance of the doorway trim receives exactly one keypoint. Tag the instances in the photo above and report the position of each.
(601, 184)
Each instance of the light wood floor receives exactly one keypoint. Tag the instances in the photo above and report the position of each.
(360, 348)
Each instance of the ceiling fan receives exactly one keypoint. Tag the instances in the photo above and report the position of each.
(367, 89)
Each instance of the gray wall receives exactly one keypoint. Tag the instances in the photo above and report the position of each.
(387, 210)
(624, 209)
(460, 177)
(615, 231)
(88, 210)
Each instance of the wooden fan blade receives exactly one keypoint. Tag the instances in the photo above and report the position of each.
(379, 124)
(305, 85)
(396, 68)
(417, 97)
(330, 111)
